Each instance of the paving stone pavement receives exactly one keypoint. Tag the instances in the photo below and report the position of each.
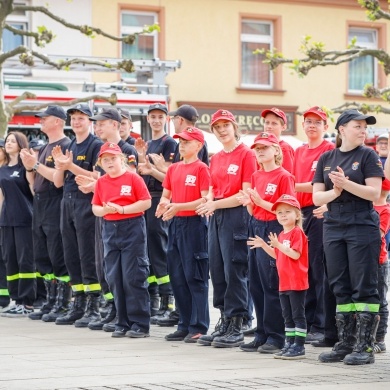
(43, 356)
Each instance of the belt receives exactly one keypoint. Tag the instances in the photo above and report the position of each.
(48, 194)
(347, 207)
(77, 195)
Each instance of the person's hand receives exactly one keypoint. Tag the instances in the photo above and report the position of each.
(273, 240)
(244, 198)
(86, 184)
(140, 146)
(171, 210)
(116, 207)
(319, 211)
(255, 197)
(62, 161)
(109, 209)
(158, 161)
(28, 158)
(338, 178)
(256, 242)
(206, 209)
(161, 208)
(146, 167)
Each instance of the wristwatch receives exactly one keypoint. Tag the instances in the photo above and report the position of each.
(35, 167)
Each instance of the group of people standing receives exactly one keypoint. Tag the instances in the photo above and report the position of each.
(293, 234)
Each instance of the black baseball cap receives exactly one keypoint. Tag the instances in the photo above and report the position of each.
(107, 113)
(36, 143)
(56, 111)
(158, 106)
(350, 115)
(82, 107)
(125, 114)
(187, 112)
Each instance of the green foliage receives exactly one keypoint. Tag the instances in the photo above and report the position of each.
(44, 36)
(372, 7)
(87, 31)
(150, 29)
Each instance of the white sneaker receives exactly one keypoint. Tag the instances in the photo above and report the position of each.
(17, 311)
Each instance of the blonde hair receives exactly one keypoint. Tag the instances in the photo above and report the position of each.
(122, 156)
(278, 157)
(237, 132)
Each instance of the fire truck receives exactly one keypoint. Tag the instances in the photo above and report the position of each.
(147, 86)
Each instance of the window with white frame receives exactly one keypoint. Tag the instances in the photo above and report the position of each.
(19, 21)
(363, 70)
(255, 34)
(145, 45)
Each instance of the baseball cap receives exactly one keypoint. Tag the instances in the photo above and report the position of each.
(191, 133)
(286, 199)
(56, 111)
(222, 115)
(350, 115)
(187, 112)
(36, 143)
(316, 111)
(275, 111)
(107, 113)
(383, 136)
(158, 106)
(267, 139)
(125, 114)
(82, 107)
(110, 148)
(2, 143)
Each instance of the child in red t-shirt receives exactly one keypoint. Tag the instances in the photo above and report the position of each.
(121, 197)
(290, 249)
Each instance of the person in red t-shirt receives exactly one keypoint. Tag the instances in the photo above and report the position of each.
(267, 185)
(121, 197)
(275, 122)
(185, 185)
(290, 249)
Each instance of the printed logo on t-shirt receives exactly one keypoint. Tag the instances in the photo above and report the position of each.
(314, 166)
(125, 191)
(286, 243)
(232, 170)
(327, 168)
(271, 189)
(49, 158)
(355, 166)
(190, 180)
(15, 174)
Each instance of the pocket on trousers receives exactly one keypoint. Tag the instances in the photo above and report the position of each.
(240, 248)
(201, 266)
(273, 275)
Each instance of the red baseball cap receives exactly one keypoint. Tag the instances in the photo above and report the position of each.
(267, 139)
(224, 115)
(191, 133)
(286, 199)
(316, 111)
(277, 112)
(110, 148)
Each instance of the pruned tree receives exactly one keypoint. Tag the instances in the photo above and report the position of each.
(41, 38)
(315, 55)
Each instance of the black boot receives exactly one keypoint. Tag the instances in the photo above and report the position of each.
(363, 353)
(76, 312)
(346, 329)
(166, 307)
(51, 294)
(219, 330)
(110, 315)
(61, 306)
(91, 312)
(154, 304)
(233, 337)
(171, 320)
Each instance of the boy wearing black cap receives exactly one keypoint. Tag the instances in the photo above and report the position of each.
(126, 127)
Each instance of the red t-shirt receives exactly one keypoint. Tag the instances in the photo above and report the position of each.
(304, 168)
(384, 225)
(271, 186)
(288, 155)
(293, 274)
(122, 190)
(186, 181)
(229, 170)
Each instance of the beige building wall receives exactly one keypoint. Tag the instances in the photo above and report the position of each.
(205, 36)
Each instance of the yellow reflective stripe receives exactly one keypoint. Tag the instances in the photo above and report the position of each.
(151, 279)
(78, 288)
(10, 278)
(163, 280)
(49, 277)
(63, 278)
(290, 334)
(38, 275)
(4, 292)
(108, 296)
(346, 308)
(368, 307)
(300, 334)
(92, 287)
(27, 275)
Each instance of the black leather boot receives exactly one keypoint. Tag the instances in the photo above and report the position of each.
(76, 312)
(61, 306)
(233, 337)
(363, 353)
(154, 304)
(346, 329)
(110, 315)
(91, 312)
(171, 320)
(219, 330)
(51, 294)
(167, 304)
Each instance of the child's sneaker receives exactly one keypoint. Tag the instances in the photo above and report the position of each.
(379, 347)
(17, 311)
(286, 347)
(294, 352)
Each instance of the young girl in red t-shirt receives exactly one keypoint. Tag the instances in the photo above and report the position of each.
(290, 249)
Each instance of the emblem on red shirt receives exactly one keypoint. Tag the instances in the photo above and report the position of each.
(232, 170)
